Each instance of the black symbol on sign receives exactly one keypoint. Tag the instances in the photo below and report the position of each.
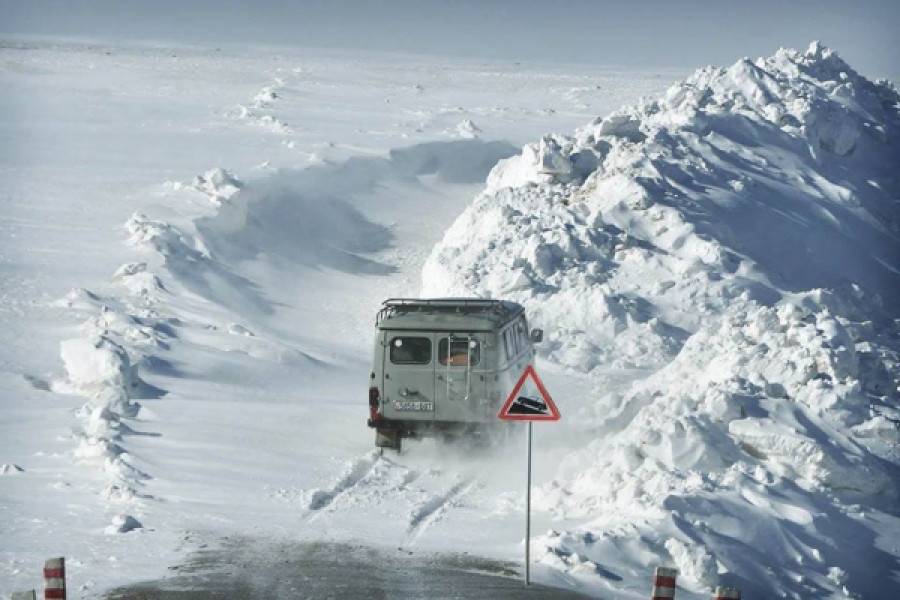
(524, 405)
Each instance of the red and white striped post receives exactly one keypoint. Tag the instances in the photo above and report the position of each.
(664, 583)
(727, 593)
(55, 578)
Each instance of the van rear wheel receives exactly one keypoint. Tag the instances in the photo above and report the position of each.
(388, 438)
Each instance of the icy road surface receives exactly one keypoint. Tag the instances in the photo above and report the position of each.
(245, 570)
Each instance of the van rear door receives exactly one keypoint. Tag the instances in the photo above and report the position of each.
(409, 362)
(459, 385)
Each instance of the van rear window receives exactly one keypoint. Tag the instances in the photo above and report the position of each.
(459, 352)
(411, 350)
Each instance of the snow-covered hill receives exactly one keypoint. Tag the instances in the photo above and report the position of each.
(725, 262)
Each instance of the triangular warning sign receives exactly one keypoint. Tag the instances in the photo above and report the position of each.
(529, 402)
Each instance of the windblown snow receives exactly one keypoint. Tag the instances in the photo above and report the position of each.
(186, 346)
(737, 239)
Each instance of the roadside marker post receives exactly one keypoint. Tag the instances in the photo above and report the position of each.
(529, 401)
(663, 583)
(55, 579)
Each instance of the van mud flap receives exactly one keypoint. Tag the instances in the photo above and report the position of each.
(388, 438)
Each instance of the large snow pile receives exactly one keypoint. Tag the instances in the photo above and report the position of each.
(738, 238)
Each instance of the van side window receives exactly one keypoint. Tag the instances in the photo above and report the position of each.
(522, 333)
(459, 352)
(509, 338)
(410, 350)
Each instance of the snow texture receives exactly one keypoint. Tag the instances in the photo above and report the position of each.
(715, 271)
(122, 524)
(739, 239)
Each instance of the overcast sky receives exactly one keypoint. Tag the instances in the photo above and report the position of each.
(684, 33)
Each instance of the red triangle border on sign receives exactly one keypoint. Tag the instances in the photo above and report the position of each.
(529, 372)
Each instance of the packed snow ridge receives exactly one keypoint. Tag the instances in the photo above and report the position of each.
(120, 333)
(738, 241)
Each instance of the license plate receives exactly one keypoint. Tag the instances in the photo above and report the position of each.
(413, 405)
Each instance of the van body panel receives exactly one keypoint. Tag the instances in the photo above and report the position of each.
(460, 388)
(446, 363)
(408, 388)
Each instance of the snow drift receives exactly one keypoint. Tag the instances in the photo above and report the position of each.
(738, 238)
(243, 335)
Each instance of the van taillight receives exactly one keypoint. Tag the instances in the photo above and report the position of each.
(373, 403)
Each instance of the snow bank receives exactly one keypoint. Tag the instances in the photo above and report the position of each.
(283, 217)
(122, 524)
(301, 217)
(467, 129)
(257, 113)
(103, 363)
(738, 181)
(739, 237)
(218, 184)
(99, 368)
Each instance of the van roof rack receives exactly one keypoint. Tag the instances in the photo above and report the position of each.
(393, 306)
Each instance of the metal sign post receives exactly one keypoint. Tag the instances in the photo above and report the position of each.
(529, 405)
(528, 514)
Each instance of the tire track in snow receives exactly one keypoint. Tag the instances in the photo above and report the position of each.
(371, 475)
(355, 472)
(433, 509)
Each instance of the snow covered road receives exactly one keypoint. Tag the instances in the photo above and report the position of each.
(216, 324)
(194, 242)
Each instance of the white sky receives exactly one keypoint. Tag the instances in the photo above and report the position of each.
(684, 33)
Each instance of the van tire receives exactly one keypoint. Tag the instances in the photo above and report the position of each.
(388, 438)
